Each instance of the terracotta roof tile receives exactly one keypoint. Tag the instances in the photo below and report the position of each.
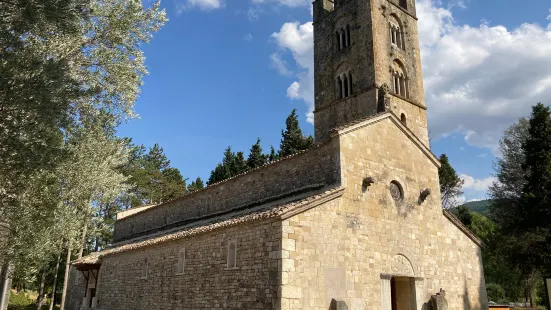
(270, 211)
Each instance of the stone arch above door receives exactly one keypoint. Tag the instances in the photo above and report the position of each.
(401, 265)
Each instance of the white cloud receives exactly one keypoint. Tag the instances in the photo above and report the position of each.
(248, 37)
(479, 185)
(298, 39)
(289, 3)
(253, 14)
(203, 5)
(479, 80)
(280, 65)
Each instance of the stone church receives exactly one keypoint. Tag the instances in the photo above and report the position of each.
(354, 223)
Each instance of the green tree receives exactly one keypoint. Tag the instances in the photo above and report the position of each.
(531, 227)
(196, 185)
(256, 157)
(232, 164)
(450, 183)
(218, 174)
(273, 156)
(507, 191)
(152, 177)
(65, 65)
(239, 164)
(293, 140)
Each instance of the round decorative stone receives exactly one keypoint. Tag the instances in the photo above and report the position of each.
(396, 191)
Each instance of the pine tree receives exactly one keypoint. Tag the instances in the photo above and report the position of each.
(532, 223)
(256, 158)
(273, 156)
(239, 164)
(450, 183)
(196, 185)
(292, 139)
(217, 175)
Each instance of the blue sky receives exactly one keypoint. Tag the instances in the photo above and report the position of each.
(226, 72)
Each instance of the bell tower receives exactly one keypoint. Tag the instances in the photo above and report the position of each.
(367, 60)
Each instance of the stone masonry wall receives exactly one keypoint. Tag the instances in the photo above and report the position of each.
(316, 167)
(342, 249)
(75, 290)
(330, 61)
(206, 283)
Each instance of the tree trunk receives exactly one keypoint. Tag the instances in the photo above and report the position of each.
(40, 299)
(55, 279)
(83, 240)
(5, 283)
(66, 280)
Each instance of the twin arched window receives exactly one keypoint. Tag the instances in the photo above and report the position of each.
(399, 79)
(343, 37)
(397, 37)
(344, 85)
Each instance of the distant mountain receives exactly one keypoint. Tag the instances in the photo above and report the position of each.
(481, 206)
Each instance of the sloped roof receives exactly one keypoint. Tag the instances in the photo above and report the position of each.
(283, 210)
(452, 218)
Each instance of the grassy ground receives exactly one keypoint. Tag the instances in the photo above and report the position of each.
(26, 301)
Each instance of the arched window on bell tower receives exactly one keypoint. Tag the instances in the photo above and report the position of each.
(399, 79)
(344, 85)
(397, 37)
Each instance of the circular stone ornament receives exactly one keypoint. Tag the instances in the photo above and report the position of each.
(396, 191)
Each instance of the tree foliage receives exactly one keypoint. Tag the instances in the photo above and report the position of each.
(256, 157)
(292, 139)
(450, 183)
(195, 185)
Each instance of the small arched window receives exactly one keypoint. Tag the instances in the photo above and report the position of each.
(344, 85)
(403, 119)
(343, 37)
(399, 79)
(397, 37)
(232, 254)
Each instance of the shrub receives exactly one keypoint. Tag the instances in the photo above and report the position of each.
(19, 301)
(495, 292)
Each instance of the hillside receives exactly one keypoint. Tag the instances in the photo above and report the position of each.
(481, 206)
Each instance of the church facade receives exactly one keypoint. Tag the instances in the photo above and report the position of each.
(354, 223)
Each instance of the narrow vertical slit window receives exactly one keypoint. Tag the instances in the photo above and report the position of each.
(145, 268)
(349, 83)
(347, 31)
(339, 87)
(181, 261)
(232, 255)
(403, 119)
(345, 86)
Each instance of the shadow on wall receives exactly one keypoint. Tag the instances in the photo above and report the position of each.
(482, 304)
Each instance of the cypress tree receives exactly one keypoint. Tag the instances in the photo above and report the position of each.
(256, 158)
(292, 139)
